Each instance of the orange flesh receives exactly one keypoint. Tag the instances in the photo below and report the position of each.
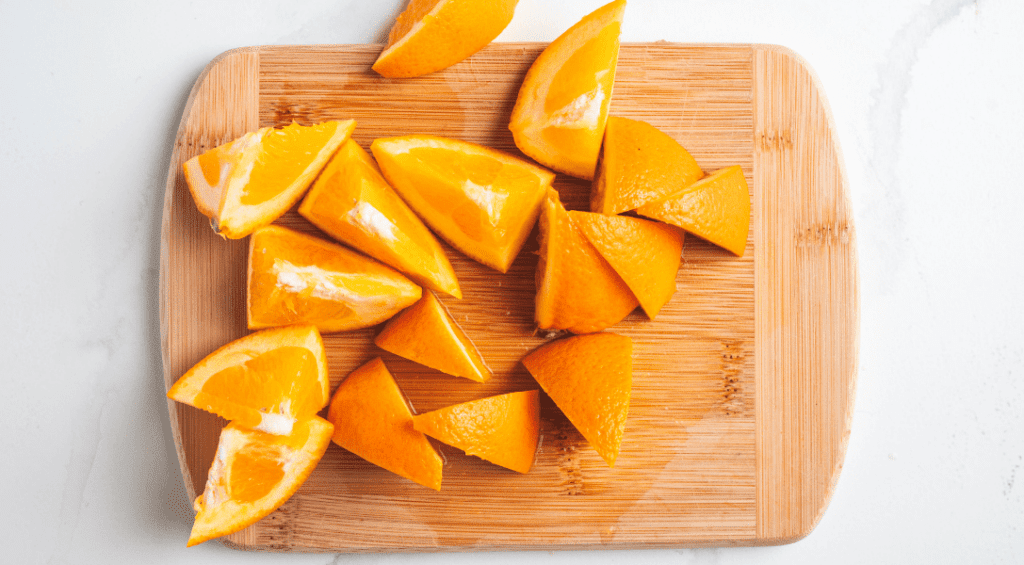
(254, 472)
(413, 13)
(287, 152)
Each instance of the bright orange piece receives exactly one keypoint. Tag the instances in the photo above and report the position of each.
(431, 35)
(590, 378)
(639, 164)
(645, 254)
(250, 182)
(299, 279)
(254, 473)
(501, 429)
(716, 208)
(559, 117)
(352, 203)
(371, 419)
(577, 290)
(483, 202)
(427, 334)
(265, 381)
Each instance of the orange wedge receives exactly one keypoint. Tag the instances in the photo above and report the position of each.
(431, 35)
(352, 203)
(577, 290)
(426, 333)
(645, 254)
(639, 164)
(250, 182)
(254, 473)
(590, 378)
(481, 201)
(372, 420)
(300, 279)
(501, 429)
(716, 208)
(560, 115)
(265, 381)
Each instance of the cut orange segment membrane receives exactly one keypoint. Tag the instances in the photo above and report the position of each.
(352, 203)
(250, 182)
(577, 290)
(590, 378)
(300, 279)
(431, 35)
(254, 473)
(265, 381)
(559, 117)
(639, 164)
(501, 429)
(715, 208)
(427, 334)
(372, 420)
(483, 202)
(645, 254)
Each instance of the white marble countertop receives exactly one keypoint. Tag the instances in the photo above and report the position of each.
(927, 98)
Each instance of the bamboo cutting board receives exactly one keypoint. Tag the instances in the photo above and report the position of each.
(743, 386)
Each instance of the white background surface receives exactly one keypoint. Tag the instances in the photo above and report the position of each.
(927, 98)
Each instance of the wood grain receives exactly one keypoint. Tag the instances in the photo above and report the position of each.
(743, 386)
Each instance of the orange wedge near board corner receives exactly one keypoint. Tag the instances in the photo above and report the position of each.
(481, 201)
(265, 381)
(253, 180)
(501, 429)
(372, 420)
(351, 202)
(559, 116)
(645, 254)
(590, 379)
(300, 279)
(639, 164)
(431, 35)
(254, 473)
(715, 208)
(427, 334)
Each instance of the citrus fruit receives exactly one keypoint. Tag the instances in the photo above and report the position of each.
(426, 333)
(483, 202)
(431, 35)
(577, 290)
(258, 177)
(265, 381)
(645, 254)
(501, 429)
(300, 279)
(715, 208)
(254, 473)
(352, 203)
(639, 164)
(560, 115)
(372, 420)
(590, 379)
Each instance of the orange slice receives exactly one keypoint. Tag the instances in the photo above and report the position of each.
(426, 333)
(590, 378)
(300, 279)
(481, 201)
(501, 429)
(352, 203)
(560, 115)
(577, 290)
(716, 208)
(372, 420)
(254, 473)
(258, 177)
(645, 254)
(266, 381)
(639, 164)
(431, 35)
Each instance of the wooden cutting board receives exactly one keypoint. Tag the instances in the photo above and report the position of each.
(743, 386)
